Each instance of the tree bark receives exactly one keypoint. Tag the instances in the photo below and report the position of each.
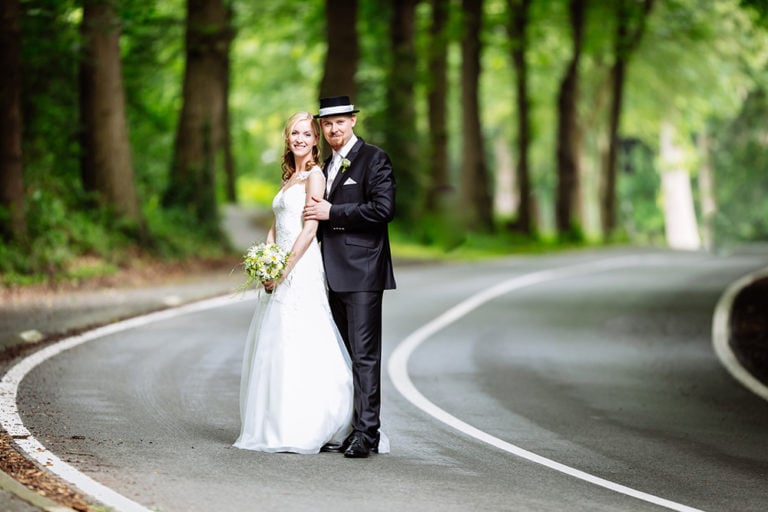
(106, 162)
(343, 49)
(476, 194)
(568, 130)
(506, 194)
(679, 213)
(439, 187)
(626, 41)
(401, 136)
(229, 159)
(13, 225)
(707, 201)
(518, 22)
(200, 132)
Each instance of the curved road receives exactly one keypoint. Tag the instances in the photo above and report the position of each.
(607, 369)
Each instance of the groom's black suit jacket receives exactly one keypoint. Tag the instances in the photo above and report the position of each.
(355, 239)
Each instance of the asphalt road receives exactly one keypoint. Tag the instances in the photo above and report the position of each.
(604, 368)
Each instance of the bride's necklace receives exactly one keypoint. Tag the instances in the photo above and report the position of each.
(295, 178)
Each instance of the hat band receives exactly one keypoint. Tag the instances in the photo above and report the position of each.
(329, 111)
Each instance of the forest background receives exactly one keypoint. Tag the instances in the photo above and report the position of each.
(127, 125)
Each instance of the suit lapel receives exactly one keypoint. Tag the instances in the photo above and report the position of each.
(355, 149)
(341, 177)
(326, 168)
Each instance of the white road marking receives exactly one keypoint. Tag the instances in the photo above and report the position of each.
(721, 335)
(12, 423)
(398, 363)
(398, 371)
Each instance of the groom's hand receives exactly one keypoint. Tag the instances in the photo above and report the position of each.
(318, 209)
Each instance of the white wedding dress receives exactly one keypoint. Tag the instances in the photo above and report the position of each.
(296, 388)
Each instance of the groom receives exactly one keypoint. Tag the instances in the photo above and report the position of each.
(359, 203)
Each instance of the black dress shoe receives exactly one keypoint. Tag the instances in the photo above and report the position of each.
(358, 448)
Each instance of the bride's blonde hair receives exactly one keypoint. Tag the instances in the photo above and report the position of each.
(289, 164)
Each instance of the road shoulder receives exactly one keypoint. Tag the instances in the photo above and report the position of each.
(740, 331)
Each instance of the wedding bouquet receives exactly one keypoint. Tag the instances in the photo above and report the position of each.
(264, 262)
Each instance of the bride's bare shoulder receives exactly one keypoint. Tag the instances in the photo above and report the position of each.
(316, 174)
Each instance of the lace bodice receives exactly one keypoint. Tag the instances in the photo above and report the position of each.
(288, 207)
(307, 279)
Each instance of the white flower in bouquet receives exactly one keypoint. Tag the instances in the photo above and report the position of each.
(264, 262)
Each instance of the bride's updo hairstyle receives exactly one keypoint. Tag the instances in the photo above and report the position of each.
(289, 164)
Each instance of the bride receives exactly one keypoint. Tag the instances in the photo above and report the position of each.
(296, 387)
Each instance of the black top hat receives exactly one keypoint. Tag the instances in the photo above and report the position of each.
(335, 106)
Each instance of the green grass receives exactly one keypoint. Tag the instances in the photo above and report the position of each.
(76, 245)
(67, 245)
(256, 191)
(470, 246)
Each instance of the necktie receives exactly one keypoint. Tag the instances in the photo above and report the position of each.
(332, 172)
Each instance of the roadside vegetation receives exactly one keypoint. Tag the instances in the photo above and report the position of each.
(515, 126)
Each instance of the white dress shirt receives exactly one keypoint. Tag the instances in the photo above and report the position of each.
(336, 162)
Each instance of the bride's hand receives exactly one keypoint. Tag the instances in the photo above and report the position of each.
(270, 286)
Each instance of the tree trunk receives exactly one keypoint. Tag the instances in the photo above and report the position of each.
(568, 130)
(608, 214)
(343, 49)
(679, 213)
(200, 132)
(229, 160)
(626, 42)
(401, 136)
(13, 225)
(708, 203)
(506, 193)
(518, 22)
(476, 194)
(106, 162)
(439, 187)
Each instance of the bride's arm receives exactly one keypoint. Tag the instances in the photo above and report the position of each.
(315, 186)
(271, 233)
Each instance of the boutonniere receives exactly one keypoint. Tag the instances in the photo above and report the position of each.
(345, 165)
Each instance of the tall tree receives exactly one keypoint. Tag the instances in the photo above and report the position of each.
(200, 132)
(706, 182)
(739, 158)
(680, 224)
(229, 160)
(568, 130)
(400, 128)
(106, 162)
(343, 49)
(626, 40)
(437, 89)
(477, 199)
(518, 22)
(12, 216)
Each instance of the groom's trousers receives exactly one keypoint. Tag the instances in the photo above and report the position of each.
(358, 317)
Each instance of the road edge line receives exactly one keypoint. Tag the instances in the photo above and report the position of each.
(11, 421)
(721, 334)
(398, 372)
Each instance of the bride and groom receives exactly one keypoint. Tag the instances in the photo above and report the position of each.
(311, 377)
